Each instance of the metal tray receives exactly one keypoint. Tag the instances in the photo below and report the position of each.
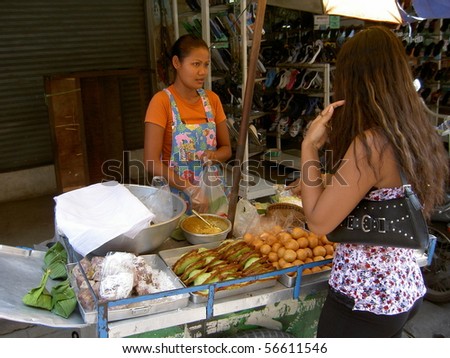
(144, 307)
(171, 256)
(289, 281)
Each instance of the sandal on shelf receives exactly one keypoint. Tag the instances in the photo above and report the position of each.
(284, 79)
(277, 78)
(275, 123)
(318, 45)
(292, 79)
(309, 79)
(270, 77)
(283, 126)
(286, 104)
(294, 130)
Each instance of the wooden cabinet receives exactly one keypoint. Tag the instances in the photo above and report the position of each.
(86, 123)
(67, 126)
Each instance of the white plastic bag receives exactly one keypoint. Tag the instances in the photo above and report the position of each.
(117, 278)
(246, 213)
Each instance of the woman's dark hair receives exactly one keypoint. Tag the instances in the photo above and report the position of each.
(183, 46)
(375, 79)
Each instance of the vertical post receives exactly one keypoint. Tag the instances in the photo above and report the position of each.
(247, 106)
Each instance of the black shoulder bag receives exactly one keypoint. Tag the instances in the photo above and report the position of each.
(396, 222)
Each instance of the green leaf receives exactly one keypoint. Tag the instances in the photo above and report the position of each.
(56, 253)
(39, 296)
(57, 270)
(64, 300)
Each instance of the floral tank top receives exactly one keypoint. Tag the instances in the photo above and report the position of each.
(381, 280)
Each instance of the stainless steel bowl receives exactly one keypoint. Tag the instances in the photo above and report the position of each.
(196, 238)
(149, 239)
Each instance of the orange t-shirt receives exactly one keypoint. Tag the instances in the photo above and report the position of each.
(159, 112)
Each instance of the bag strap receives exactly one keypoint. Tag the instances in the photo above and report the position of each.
(409, 193)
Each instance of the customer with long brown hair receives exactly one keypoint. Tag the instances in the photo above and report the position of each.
(377, 128)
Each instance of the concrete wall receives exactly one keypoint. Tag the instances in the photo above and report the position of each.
(35, 182)
(28, 183)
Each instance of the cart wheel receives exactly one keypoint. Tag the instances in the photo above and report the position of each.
(263, 333)
(437, 275)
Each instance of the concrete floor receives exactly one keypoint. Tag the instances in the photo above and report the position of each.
(30, 222)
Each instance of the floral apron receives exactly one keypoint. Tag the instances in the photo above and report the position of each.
(189, 142)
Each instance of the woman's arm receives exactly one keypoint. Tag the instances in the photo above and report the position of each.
(223, 152)
(326, 206)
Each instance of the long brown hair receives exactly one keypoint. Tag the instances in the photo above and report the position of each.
(373, 76)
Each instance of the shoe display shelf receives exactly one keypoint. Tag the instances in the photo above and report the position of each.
(426, 44)
(313, 82)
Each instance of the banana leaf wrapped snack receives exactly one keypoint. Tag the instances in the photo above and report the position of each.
(39, 296)
(55, 260)
(64, 300)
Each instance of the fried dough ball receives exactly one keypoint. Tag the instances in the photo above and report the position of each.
(303, 242)
(290, 255)
(319, 251)
(298, 232)
(301, 254)
(291, 244)
(276, 229)
(276, 246)
(265, 249)
(272, 256)
(313, 240)
(309, 252)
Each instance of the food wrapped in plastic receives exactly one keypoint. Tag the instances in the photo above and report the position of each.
(117, 276)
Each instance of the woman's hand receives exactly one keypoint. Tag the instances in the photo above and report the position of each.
(209, 156)
(295, 187)
(317, 134)
(198, 199)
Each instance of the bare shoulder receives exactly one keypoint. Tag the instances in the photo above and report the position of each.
(381, 157)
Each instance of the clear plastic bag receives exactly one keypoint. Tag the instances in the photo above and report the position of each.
(160, 202)
(246, 214)
(212, 186)
(118, 274)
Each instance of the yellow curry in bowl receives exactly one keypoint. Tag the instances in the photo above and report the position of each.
(196, 226)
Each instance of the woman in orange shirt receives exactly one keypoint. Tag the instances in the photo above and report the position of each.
(185, 125)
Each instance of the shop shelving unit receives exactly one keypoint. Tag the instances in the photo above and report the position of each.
(283, 158)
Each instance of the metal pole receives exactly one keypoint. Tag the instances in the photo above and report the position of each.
(246, 107)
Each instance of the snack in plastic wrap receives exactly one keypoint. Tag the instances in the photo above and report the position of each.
(140, 275)
(117, 276)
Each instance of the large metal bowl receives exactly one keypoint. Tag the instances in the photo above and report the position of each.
(149, 239)
(193, 233)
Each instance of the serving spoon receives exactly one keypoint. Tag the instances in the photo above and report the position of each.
(206, 221)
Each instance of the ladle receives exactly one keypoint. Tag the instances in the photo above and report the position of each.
(206, 221)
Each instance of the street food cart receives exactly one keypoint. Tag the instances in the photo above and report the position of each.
(289, 305)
